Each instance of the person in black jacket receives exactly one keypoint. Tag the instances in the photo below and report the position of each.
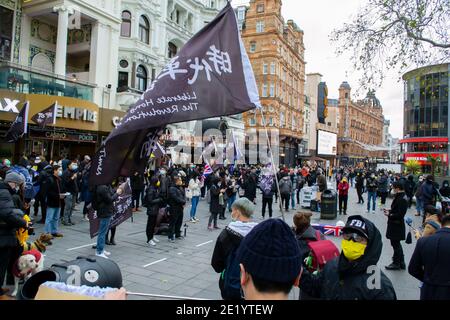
(268, 186)
(41, 197)
(250, 184)
(445, 190)
(230, 238)
(105, 197)
(348, 277)
(153, 201)
(11, 219)
(429, 192)
(360, 187)
(410, 188)
(396, 230)
(54, 196)
(137, 187)
(372, 188)
(215, 206)
(430, 263)
(177, 201)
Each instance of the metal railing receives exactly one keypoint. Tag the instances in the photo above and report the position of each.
(24, 79)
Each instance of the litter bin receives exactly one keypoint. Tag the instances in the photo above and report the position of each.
(328, 205)
(89, 271)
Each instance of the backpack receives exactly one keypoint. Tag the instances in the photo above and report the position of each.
(321, 252)
(231, 277)
(29, 190)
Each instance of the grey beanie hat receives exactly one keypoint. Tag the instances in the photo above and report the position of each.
(14, 177)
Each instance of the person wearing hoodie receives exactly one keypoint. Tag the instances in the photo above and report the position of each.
(396, 230)
(359, 187)
(419, 198)
(348, 277)
(43, 180)
(217, 204)
(230, 238)
(372, 188)
(177, 202)
(410, 187)
(383, 187)
(428, 191)
(153, 201)
(268, 186)
(343, 195)
(445, 190)
(286, 191)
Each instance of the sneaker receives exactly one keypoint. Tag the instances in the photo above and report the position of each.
(155, 240)
(107, 252)
(152, 243)
(196, 220)
(179, 238)
(57, 235)
(101, 255)
(368, 211)
(192, 220)
(86, 218)
(171, 240)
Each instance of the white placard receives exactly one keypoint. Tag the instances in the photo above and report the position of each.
(326, 143)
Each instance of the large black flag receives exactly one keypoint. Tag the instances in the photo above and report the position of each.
(46, 116)
(211, 76)
(20, 126)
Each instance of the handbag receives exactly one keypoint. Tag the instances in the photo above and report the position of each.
(188, 193)
(408, 238)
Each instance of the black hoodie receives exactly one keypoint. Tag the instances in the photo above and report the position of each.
(344, 280)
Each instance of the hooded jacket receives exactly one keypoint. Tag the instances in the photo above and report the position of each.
(10, 217)
(396, 220)
(286, 185)
(344, 280)
(445, 190)
(383, 184)
(229, 239)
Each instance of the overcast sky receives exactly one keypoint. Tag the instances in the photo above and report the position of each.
(317, 18)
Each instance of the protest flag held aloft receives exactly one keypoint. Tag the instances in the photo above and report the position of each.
(20, 125)
(46, 116)
(211, 76)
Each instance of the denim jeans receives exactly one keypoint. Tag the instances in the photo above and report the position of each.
(371, 195)
(52, 220)
(102, 231)
(68, 209)
(194, 206)
(419, 206)
(230, 201)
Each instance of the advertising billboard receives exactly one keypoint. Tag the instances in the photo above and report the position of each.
(326, 143)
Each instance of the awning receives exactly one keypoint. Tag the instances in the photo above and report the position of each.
(425, 139)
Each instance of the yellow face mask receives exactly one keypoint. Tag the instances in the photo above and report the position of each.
(353, 250)
(158, 184)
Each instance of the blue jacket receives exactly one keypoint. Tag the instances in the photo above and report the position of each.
(430, 263)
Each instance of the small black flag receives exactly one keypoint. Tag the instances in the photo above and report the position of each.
(20, 126)
(46, 116)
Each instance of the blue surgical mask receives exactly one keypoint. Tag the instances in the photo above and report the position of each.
(60, 173)
(163, 172)
(74, 167)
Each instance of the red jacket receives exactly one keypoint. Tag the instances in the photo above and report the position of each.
(343, 188)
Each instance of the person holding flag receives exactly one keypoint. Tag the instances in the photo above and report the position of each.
(20, 125)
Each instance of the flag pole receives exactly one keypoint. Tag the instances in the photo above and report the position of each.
(273, 163)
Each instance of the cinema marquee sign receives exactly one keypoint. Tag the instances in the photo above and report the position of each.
(65, 112)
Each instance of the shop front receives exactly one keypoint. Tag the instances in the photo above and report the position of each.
(74, 134)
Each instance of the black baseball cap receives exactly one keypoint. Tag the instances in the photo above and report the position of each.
(358, 225)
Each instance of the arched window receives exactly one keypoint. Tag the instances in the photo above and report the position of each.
(141, 78)
(144, 30)
(172, 50)
(125, 28)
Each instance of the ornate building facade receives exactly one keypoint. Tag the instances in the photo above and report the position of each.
(276, 51)
(360, 139)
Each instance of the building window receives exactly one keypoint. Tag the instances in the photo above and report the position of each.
(260, 26)
(123, 64)
(252, 121)
(252, 46)
(282, 120)
(123, 81)
(264, 90)
(6, 31)
(346, 95)
(172, 50)
(271, 121)
(265, 68)
(212, 4)
(272, 90)
(241, 13)
(144, 30)
(272, 68)
(260, 8)
(141, 78)
(125, 28)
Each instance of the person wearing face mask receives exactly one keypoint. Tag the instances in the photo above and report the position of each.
(228, 241)
(54, 197)
(396, 230)
(177, 202)
(419, 198)
(347, 277)
(445, 190)
(372, 188)
(70, 187)
(153, 201)
(11, 219)
(165, 183)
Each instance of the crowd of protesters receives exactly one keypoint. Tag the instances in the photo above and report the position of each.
(47, 192)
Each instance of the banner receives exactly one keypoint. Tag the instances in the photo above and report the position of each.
(20, 126)
(211, 76)
(122, 210)
(46, 116)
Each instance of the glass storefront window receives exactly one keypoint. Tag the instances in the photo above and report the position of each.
(6, 31)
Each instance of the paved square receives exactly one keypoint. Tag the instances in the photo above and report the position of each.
(183, 268)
